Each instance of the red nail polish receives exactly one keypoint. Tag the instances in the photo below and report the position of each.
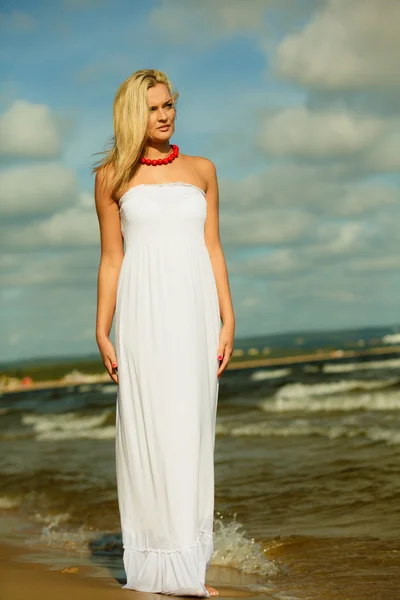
(219, 357)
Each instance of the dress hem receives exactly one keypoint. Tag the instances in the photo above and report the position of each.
(177, 572)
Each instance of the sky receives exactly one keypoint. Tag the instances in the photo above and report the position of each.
(297, 103)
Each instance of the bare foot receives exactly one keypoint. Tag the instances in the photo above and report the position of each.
(213, 591)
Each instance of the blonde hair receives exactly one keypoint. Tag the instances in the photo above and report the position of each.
(130, 118)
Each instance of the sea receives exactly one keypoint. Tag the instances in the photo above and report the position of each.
(307, 477)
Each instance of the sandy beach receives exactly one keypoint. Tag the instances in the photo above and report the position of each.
(27, 575)
(42, 573)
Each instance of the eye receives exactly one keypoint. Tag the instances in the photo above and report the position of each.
(169, 105)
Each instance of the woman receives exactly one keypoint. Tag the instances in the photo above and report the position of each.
(169, 291)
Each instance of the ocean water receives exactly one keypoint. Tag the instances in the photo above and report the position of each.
(307, 476)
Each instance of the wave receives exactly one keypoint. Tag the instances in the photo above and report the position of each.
(260, 375)
(299, 390)
(9, 502)
(232, 546)
(70, 426)
(338, 396)
(361, 366)
(108, 389)
(370, 402)
(303, 428)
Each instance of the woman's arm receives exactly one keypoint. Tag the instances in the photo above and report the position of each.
(214, 247)
(112, 253)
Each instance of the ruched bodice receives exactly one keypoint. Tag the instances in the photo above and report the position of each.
(153, 211)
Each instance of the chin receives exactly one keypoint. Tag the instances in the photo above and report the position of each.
(161, 136)
(159, 139)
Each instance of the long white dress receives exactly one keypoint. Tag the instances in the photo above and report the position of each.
(167, 324)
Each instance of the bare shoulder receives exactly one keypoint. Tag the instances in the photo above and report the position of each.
(204, 169)
(104, 176)
(103, 179)
(205, 166)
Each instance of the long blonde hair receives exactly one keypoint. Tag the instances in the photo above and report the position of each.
(130, 117)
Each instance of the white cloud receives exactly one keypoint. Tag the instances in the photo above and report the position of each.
(251, 302)
(207, 21)
(18, 21)
(323, 191)
(348, 45)
(380, 263)
(36, 189)
(266, 226)
(361, 143)
(333, 239)
(14, 338)
(56, 305)
(86, 200)
(276, 263)
(76, 226)
(70, 267)
(29, 131)
(327, 243)
(342, 296)
(283, 185)
(306, 133)
(367, 197)
(385, 154)
(84, 4)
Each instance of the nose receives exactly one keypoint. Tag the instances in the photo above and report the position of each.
(162, 115)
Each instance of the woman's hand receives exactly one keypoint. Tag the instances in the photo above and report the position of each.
(109, 357)
(225, 347)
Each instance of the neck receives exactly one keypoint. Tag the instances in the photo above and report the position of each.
(157, 149)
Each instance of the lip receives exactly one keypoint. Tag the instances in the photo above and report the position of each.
(163, 128)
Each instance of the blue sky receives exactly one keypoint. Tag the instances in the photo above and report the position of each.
(297, 104)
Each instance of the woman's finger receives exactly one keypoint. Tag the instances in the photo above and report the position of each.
(112, 368)
(114, 377)
(222, 365)
(225, 361)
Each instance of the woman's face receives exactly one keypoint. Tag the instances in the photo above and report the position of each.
(161, 113)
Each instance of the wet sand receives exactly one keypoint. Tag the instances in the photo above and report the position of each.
(32, 575)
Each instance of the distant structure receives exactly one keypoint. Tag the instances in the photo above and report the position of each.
(393, 338)
(238, 352)
(253, 352)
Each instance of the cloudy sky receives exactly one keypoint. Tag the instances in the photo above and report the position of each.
(297, 102)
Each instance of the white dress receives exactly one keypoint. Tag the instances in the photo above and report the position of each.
(167, 324)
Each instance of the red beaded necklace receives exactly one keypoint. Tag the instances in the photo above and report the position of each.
(162, 161)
